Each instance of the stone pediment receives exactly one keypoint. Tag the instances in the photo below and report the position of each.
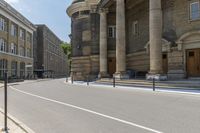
(188, 38)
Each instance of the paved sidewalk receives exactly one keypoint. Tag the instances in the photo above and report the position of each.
(14, 125)
(1, 85)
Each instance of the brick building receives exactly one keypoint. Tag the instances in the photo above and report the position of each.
(159, 37)
(49, 58)
(16, 43)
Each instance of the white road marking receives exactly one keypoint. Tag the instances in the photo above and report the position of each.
(89, 111)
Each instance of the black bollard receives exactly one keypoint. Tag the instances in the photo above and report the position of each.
(72, 78)
(114, 84)
(66, 79)
(154, 88)
(5, 101)
(88, 80)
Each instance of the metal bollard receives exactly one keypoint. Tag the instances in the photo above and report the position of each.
(72, 79)
(5, 101)
(66, 79)
(114, 82)
(88, 80)
(154, 88)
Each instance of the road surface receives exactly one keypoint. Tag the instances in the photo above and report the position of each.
(55, 107)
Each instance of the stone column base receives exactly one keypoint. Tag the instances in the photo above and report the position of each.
(121, 75)
(103, 75)
(158, 77)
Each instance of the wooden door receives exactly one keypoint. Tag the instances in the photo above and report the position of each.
(111, 66)
(165, 63)
(193, 63)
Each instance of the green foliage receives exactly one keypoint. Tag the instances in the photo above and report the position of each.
(67, 49)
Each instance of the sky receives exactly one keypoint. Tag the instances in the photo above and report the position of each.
(49, 12)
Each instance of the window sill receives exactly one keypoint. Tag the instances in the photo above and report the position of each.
(13, 36)
(3, 31)
(190, 21)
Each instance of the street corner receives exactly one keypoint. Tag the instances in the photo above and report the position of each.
(13, 125)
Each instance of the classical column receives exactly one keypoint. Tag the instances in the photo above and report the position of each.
(103, 44)
(120, 40)
(155, 31)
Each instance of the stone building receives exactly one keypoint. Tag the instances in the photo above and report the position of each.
(49, 57)
(16, 43)
(159, 37)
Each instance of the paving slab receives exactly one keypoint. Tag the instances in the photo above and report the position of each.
(14, 125)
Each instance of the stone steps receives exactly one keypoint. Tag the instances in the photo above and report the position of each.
(182, 84)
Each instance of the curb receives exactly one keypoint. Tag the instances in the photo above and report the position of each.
(1, 85)
(18, 123)
(173, 91)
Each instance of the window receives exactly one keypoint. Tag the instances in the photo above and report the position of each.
(13, 48)
(13, 30)
(29, 37)
(3, 67)
(111, 31)
(2, 45)
(135, 27)
(22, 70)
(22, 34)
(28, 52)
(3, 24)
(194, 11)
(21, 51)
(14, 69)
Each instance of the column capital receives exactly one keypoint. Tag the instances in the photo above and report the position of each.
(155, 4)
(103, 10)
(94, 9)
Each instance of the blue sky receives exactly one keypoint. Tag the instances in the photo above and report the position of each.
(49, 12)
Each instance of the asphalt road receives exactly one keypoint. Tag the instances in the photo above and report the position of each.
(55, 107)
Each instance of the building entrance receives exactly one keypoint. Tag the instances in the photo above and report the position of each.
(193, 63)
(165, 63)
(111, 66)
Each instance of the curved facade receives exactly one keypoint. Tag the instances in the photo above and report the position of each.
(85, 42)
(157, 38)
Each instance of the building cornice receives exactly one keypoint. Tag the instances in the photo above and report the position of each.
(81, 6)
(15, 55)
(14, 13)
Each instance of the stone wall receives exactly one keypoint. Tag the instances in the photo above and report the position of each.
(175, 64)
(85, 66)
(181, 20)
(85, 46)
(138, 61)
(111, 20)
(138, 13)
(95, 31)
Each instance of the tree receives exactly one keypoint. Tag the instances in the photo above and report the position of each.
(67, 49)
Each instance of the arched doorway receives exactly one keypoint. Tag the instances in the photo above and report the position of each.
(111, 66)
(189, 43)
